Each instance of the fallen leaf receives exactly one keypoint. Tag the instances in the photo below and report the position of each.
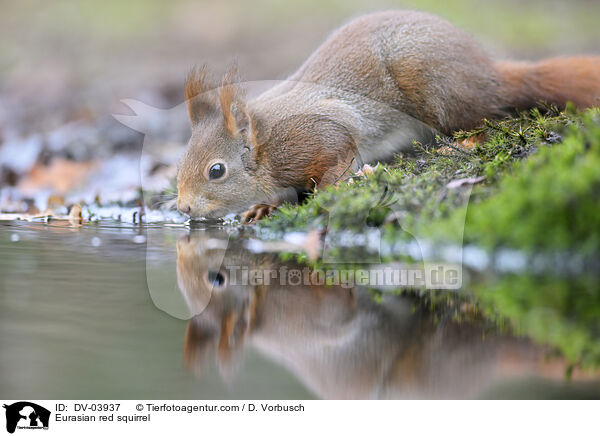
(466, 181)
(366, 170)
(75, 214)
(60, 176)
(471, 142)
(313, 244)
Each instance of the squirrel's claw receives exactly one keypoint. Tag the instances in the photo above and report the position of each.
(257, 212)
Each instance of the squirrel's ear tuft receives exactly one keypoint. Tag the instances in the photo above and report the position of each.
(257, 130)
(197, 98)
(231, 344)
(233, 103)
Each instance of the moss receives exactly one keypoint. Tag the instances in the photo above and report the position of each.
(550, 201)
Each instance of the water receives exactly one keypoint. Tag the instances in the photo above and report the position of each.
(124, 312)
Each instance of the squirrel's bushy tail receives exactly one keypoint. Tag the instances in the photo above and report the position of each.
(556, 81)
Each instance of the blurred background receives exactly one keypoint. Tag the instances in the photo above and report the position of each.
(65, 66)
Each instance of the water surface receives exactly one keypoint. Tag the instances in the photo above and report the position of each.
(123, 312)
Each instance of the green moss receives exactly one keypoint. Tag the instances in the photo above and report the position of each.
(550, 201)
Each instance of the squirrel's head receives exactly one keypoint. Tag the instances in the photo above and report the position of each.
(218, 173)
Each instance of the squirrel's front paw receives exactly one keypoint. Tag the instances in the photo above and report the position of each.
(257, 212)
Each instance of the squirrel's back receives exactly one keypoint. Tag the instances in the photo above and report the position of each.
(428, 68)
(414, 62)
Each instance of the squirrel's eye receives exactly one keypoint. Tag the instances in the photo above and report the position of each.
(216, 171)
(216, 279)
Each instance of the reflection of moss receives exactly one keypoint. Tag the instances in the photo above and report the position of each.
(540, 194)
(560, 312)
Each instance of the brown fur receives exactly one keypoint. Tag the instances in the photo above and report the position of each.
(373, 87)
(231, 97)
(307, 147)
(556, 81)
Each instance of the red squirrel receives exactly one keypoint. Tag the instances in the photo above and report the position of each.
(375, 86)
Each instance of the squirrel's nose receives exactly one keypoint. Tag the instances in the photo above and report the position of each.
(184, 208)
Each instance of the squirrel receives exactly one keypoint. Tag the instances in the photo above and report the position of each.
(376, 85)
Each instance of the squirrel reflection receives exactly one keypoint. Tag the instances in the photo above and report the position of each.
(339, 342)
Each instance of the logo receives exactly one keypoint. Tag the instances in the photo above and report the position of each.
(26, 415)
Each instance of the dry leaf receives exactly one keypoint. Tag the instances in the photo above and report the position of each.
(466, 181)
(60, 176)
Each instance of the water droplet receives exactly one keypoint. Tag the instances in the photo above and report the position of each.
(15, 238)
(139, 239)
(96, 241)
